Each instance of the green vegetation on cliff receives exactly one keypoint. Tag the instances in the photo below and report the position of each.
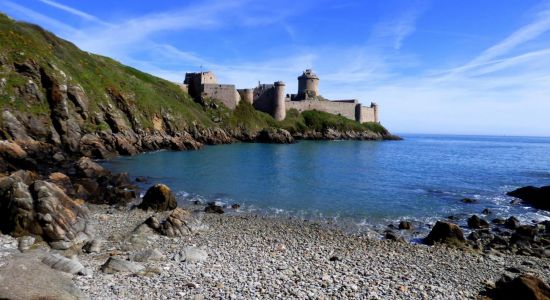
(101, 78)
(36, 66)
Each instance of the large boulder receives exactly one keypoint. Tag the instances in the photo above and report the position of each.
(42, 209)
(26, 276)
(159, 197)
(525, 287)
(447, 233)
(177, 223)
(534, 196)
(87, 168)
(475, 222)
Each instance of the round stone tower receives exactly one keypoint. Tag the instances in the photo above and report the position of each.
(374, 106)
(247, 95)
(279, 109)
(308, 85)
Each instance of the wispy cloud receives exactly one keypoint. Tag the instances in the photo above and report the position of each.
(73, 11)
(540, 25)
(398, 28)
(40, 18)
(485, 94)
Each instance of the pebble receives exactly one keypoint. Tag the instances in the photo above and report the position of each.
(241, 257)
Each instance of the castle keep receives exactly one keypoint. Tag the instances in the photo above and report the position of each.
(271, 98)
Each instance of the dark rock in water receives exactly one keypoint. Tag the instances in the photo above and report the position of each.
(486, 211)
(524, 287)
(536, 197)
(469, 200)
(498, 221)
(405, 225)
(159, 198)
(212, 208)
(475, 222)
(235, 206)
(444, 232)
(451, 217)
(141, 179)
(512, 223)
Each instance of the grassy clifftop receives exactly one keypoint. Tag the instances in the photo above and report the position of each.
(73, 92)
(24, 46)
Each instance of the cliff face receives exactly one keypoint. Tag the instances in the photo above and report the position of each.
(53, 93)
(59, 102)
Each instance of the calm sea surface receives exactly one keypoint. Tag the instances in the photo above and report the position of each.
(423, 177)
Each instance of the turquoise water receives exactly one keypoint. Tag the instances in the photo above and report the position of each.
(423, 177)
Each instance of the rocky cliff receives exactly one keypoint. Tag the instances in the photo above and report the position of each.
(60, 102)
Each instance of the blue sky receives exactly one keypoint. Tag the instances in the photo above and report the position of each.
(453, 66)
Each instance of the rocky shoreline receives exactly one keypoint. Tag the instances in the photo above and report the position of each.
(75, 217)
(246, 256)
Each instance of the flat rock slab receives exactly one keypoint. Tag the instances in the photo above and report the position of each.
(63, 264)
(26, 277)
(192, 254)
(115, 265)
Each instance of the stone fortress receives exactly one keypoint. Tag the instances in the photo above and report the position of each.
(271, 98)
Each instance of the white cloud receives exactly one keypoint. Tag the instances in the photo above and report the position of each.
(73, 11)
(540, 25)
(499, 91)
(39, 18)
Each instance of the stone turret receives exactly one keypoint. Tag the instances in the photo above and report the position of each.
(308, 85)
(279, 108)
(374, 106)
(247, 95)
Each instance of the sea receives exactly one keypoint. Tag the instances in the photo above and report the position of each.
(423, 178)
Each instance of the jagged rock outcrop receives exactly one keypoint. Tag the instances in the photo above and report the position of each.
(159, 197)
(179, 222)
(534, 196)
(475, 222)
(41, 208)
(279, 136)
(525, 287)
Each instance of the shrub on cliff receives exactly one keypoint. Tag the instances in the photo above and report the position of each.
(321, 121)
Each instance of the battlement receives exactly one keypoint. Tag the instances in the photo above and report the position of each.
(271, 97)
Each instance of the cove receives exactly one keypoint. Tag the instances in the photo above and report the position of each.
(423, 177)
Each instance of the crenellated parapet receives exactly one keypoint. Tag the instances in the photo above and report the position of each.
(271, 98)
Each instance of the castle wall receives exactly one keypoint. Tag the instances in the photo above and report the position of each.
(263, 98)
(194, 82)
(368, 114)
(345, 109)
(226, 93)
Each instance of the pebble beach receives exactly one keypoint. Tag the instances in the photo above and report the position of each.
(261, 257)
